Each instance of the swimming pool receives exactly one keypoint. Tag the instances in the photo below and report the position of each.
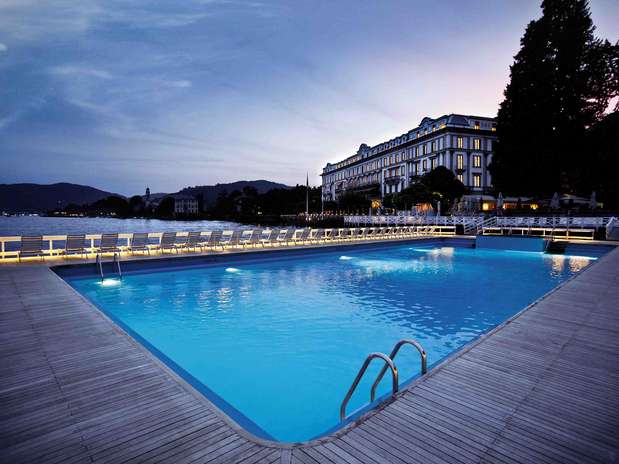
(276, 339)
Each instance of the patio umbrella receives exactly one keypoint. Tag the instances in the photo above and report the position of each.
(593, 201)
(554, 203)
(500, 201)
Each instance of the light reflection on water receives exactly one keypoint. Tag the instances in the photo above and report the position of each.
(282, 341)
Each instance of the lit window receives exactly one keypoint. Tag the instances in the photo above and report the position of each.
(477, 144)
(477, 125)
(460, 178)
(476, 180)
(433, 146)
(425, 165)
(460, 161)
(432, 163)
(477, 161)
(460, 143)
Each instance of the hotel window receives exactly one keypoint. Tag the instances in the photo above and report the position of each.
(477, 161)
(433, 163)
(433, 146)
(477, 125)
(460, 178)
(460, 143)
(493, 127)
(476, 144)
(425, 165)
(416, 152)
(423, 149)
(459, 162)
(476, 180)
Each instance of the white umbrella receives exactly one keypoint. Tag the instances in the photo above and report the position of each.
(593, 202)
(554, 203)
(499, 201)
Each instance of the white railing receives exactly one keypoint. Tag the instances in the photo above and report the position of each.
(474, 222)
(412, 220)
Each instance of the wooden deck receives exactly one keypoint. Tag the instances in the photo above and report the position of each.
(542, 388)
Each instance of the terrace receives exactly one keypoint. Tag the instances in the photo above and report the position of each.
(541, 387)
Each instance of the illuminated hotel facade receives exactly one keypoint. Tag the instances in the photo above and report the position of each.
(461, 143)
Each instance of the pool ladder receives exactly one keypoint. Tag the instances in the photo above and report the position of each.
(116, 260)
(389, 364)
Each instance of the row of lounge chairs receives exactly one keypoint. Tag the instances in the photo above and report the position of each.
(219, 240)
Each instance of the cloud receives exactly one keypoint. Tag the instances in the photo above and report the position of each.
(179, 84)
(3, 48)
(71, 70)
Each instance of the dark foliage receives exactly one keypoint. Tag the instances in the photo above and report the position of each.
(165, 208)
(562, 81)
(351, 202)
(440, 184)
(599, 174)
(249, 202)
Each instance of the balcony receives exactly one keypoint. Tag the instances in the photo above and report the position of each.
(392, 179)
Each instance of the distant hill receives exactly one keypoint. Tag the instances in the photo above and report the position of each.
(210, 192)
(36, 198)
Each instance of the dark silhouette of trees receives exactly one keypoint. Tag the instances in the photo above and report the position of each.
(165, 208)
(352, 202)
(136, 204)
(440, 184)
(599, 174)
(562, 81)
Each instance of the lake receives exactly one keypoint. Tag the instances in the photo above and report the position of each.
(39, 225)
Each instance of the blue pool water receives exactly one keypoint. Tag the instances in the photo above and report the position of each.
(277, 343)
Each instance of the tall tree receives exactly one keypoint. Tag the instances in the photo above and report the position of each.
(562, 81)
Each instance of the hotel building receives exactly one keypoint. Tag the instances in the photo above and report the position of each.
(461, 143)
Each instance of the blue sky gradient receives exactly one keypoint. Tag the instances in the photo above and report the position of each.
(121, 95)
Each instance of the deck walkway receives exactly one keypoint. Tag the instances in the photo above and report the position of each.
(542, 388)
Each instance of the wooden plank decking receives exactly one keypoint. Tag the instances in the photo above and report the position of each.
(542, 388)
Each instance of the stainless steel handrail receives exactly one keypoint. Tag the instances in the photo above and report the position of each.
(117, 259)
(394, 352)
(99, 265)
(388, 363)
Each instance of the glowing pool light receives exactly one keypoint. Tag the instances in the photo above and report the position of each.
(345, 258)
(232, 269)
(110, 282)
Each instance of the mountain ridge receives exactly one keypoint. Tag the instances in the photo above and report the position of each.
(38, 198)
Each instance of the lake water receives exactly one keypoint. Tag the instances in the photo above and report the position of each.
(38, 225)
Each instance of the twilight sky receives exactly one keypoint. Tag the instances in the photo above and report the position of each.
(124, 94)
